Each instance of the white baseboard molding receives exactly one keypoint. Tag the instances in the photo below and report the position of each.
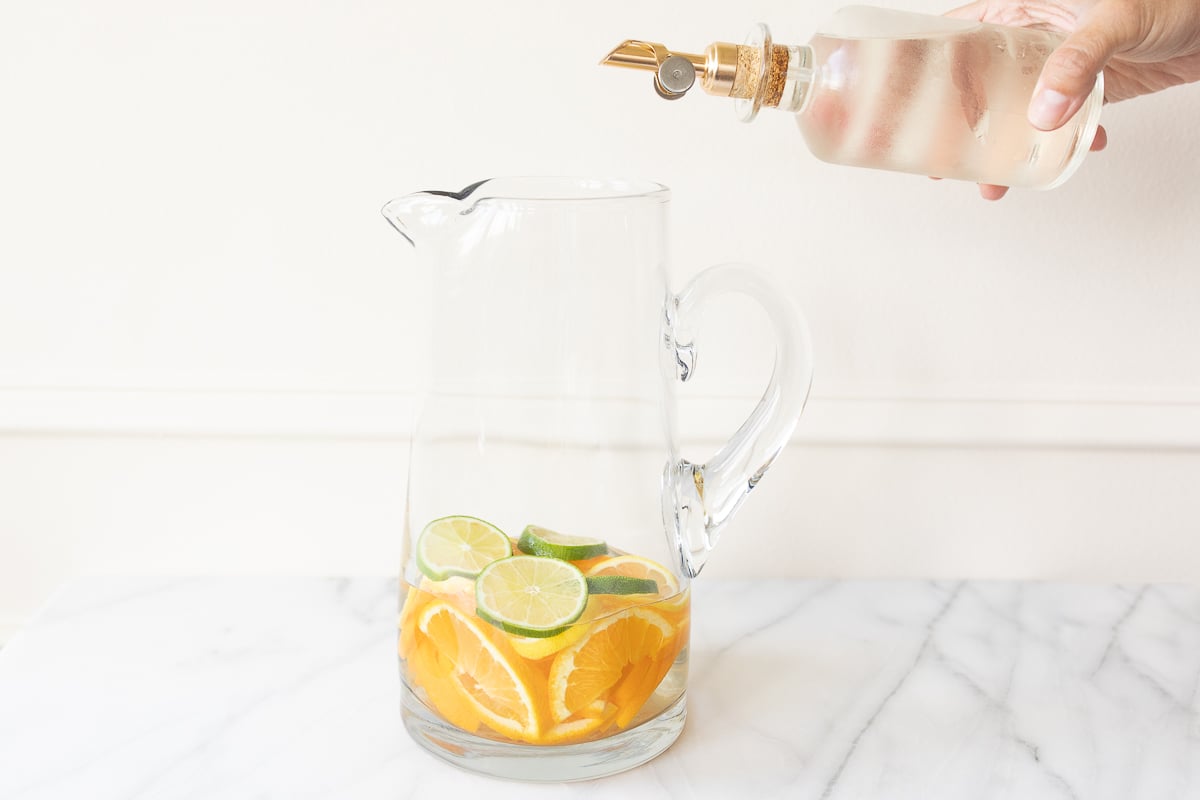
(879, 421)
(1003, 423)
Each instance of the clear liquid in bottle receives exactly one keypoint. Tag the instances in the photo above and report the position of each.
(936, 96)
(897, 91)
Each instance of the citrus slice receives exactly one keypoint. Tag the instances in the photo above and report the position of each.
(575, 730)
(457, 591)
(440, 687)
(600, 709)
(536, 649)
(459, 546)
(477, 672)
(538, 541)
(614, 647)
(413, 602)
(636, 688)
(669, 597)
(530, 595)
(638, 567)
(621, 584)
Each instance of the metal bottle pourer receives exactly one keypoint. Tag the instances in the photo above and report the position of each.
(674, 73)
(754, 73)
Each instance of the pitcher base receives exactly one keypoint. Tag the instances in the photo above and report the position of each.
(571, 762)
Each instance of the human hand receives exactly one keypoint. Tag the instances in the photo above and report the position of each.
(1142, 46)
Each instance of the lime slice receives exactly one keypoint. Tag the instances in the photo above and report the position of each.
(538, 541)
(530, 596)
(621, 584)
(459, 546)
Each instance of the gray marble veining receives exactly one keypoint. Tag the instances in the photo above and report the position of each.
(239, 688)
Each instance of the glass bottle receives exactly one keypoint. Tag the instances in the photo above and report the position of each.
(897, 91)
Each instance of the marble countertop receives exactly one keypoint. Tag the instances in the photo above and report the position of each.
(238, 688)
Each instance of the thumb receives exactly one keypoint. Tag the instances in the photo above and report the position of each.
(1070, 72)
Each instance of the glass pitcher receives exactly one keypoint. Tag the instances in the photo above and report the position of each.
(552, 526)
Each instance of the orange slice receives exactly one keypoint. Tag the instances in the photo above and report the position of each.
(458, 592)
(575, 730)
(632, 693)
(628, 644)
(440, 688)
(414, 601)
(591, 720)
(498, 688)
(638, 567)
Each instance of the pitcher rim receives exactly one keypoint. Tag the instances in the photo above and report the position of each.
(558, 189)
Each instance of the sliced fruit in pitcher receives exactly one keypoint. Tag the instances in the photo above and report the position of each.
(531, 596)
(535, 649)
(578, 640)
(635, 689)
(539, 541)
(637, 567)
(459, 546)
(413, 603)
(476, 674)
(434, 676)
(668, 598)
(589, 722)
(621, 584)
(456, 590)
(637, 643)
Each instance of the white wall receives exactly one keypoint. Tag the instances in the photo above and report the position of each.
(209, 337)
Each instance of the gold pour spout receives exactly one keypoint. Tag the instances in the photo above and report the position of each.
(674, 73)
(756, 72)
(646, 55)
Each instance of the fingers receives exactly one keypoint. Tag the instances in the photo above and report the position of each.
(973, 11)
(986, 190)
(1070, 72)
(989, 192)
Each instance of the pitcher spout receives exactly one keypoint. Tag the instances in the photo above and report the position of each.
(413, 215)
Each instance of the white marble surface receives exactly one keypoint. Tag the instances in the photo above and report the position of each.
(288, 688)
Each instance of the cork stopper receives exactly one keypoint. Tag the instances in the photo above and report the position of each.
(776, 76)
(738, 71)
(749, 68)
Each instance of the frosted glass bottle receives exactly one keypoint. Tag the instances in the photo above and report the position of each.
(900, 91)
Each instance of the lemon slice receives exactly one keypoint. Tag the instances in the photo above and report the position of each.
(531, 596)
(538, 541)
(535, 649)
(459, 546)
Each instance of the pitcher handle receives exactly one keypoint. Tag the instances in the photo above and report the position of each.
(700, 499)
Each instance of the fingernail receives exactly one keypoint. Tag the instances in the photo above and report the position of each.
(1048, 109)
